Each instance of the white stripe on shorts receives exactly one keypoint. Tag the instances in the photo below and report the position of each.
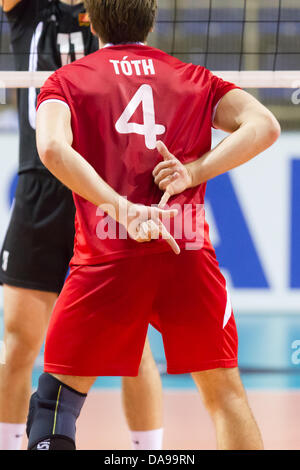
(228, 311)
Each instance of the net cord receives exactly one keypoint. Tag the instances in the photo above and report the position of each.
(244, 79)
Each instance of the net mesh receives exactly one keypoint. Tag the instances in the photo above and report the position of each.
(255, 43)
(244, 35)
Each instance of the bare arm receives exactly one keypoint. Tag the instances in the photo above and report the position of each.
(8, 5)
(54, 143)
(252, 128)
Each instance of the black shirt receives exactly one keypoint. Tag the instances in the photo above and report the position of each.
(45, 35)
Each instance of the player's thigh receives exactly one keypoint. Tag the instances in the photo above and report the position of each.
(26, 316)
(147, 370)
(219, 387)
(100, 321)
(80, 384)
(147, 361)
(195, 315)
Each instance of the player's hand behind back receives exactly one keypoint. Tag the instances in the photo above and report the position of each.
(170, 175)
(145, 223)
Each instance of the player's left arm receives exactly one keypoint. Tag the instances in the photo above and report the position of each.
(54, 143)
(252, 127)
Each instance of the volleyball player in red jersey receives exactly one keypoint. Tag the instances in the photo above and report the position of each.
(99, 126)
(39, 242)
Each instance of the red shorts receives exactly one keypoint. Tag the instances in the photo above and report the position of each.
(100, 321)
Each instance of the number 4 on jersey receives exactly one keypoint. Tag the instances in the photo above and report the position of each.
(149, 129)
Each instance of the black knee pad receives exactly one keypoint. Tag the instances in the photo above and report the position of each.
(55, 443)
(53, 411)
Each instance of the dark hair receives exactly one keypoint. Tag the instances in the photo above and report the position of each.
(121, 21)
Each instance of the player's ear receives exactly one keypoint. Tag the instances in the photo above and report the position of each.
(92, 30)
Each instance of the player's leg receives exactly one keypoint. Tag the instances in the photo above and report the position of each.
(200, 337)
(143, 404)
(26, 316)
(34, 261)
(54, 409)
(225, 399)
(98, 328)
(24, 332)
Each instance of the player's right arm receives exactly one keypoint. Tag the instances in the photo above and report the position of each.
(252, 129)
(8, 5)
(54, 143)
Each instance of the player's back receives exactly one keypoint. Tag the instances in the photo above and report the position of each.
(123, 99)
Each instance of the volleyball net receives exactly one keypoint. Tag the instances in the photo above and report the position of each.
(254, 43)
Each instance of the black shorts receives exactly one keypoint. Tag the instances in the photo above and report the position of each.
(39, 241)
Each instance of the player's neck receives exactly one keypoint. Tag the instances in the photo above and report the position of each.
(71, 2)
(103, 44)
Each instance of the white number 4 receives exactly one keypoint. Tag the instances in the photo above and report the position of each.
(149, 129)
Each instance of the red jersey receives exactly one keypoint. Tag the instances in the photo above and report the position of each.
(123, 99)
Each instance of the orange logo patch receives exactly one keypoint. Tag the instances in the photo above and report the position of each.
(84, 19)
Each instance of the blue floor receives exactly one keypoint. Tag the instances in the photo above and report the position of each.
(269, 354)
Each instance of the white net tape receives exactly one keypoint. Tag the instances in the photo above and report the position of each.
(244, 79)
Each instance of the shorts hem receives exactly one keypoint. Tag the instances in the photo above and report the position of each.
(172, 370)
(68, 370)
(202, 366)
(117, 256)
(151, 249)
(28, 285)
(33, 169)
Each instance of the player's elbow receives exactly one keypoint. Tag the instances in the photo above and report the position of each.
(274, 129)
(271, 128)
(49, 151)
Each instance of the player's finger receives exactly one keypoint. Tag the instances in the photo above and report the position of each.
(143, 233)
(164, 151)
(169, 173)
(148, 231)
(153, 230)
(166, 213)
(164, 200)
(168, 237)
(165, 185)
(163, 165)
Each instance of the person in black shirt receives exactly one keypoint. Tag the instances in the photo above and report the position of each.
(45, 35)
